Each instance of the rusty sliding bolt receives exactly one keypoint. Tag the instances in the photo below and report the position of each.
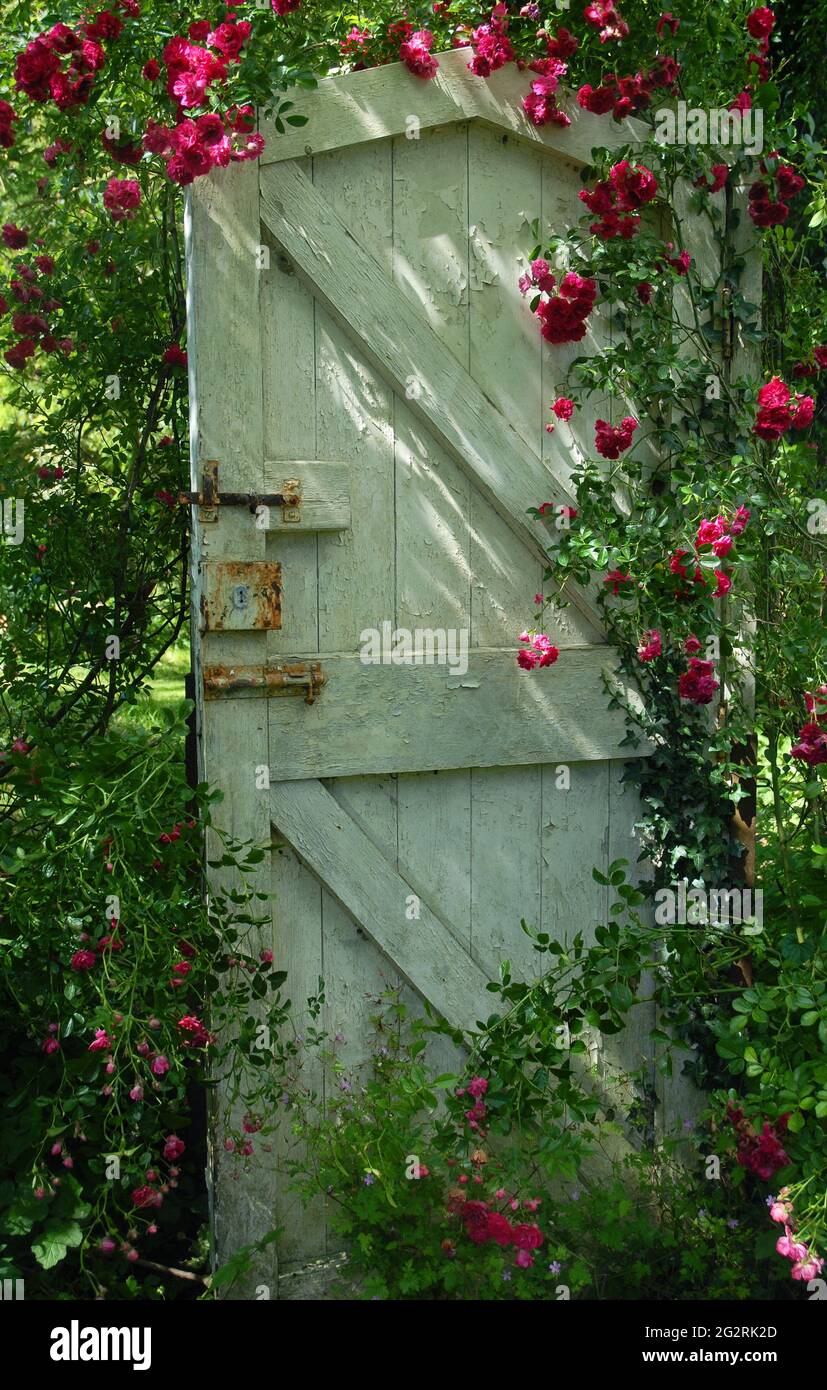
(210, 497)
(253, 500)
(290, 679)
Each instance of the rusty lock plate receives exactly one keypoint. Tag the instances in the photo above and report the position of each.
(241, 596)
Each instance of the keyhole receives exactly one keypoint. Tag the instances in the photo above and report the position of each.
(241, 596)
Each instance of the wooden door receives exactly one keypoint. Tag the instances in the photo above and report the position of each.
(356, 327)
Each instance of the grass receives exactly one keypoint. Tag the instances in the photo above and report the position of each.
(167, 689)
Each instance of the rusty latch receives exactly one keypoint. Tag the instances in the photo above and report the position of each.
(296, 678)
(209, 499)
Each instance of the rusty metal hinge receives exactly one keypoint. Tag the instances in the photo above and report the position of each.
(210, 498)
(294, 678)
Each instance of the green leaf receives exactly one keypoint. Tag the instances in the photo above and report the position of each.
(54, 1243)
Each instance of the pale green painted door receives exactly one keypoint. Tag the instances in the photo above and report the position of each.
(354, 303)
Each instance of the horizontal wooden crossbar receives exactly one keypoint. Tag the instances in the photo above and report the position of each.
(388, 718)
(388, 101)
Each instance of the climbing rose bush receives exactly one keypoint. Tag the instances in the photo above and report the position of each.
(105, 115)
(682, 556)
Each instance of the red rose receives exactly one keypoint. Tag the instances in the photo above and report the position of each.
(83, 960)
(104, 26)
(474, 1216)
(146, 1197)
(15, 237)
(34, 68)
(16, 356)
(697, 684)
(499, 1229)
(598, 100)
(761, 22)
(527, 1237)
(611, 441)
(122, 198)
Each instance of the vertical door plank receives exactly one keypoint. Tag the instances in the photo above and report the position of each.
(575, 840)
(357, 974)
(430, 231)
(569, 442)
(430, 267)
(632, 1050)
(297, 918)
(574, 835)
(354, 422)
(572, 442)
(224, 348)
(504, 183)
(505, 186)
(289, 387)
(289, 381)
(505, 867)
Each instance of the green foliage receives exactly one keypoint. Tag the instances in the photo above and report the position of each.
(689, 364)
(96, 857)
(401, 1171)
(94, 440)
